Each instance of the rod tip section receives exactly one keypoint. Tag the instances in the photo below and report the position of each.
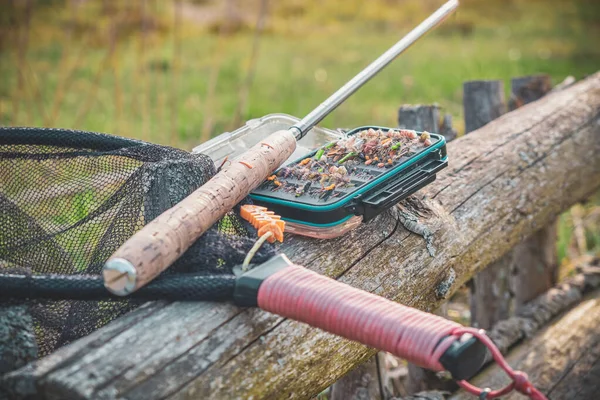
(119, 276)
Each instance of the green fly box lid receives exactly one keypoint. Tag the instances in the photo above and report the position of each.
(351, 180)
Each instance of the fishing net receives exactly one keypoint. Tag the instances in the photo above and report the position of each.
(69, 199)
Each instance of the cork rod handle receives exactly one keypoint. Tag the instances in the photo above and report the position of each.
(156, 246)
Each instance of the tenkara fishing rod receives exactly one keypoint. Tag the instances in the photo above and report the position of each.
(157, 245)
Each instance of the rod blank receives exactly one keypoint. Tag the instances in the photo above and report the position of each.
(373, 69)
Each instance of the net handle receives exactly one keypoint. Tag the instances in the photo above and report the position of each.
(156, 246)
(419, 337)
(303, 295)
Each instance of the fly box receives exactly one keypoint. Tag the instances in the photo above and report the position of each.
(350, 180)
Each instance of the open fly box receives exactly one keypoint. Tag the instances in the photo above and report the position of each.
(350, 180)
(361, 194)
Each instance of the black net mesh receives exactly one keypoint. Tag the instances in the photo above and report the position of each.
(69, 199)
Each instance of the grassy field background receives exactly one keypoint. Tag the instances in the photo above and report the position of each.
(179, 73)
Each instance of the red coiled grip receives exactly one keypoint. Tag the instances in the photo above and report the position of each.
(298, 293)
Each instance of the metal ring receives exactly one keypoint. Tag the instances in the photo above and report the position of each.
(484, 393)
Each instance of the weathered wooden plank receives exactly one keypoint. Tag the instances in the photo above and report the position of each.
(562, 360)
(27, 382)
(582, 380)
(501, 187)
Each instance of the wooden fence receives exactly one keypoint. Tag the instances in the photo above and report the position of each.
(507, 180)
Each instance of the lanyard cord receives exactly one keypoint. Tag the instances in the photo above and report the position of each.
(520, 381)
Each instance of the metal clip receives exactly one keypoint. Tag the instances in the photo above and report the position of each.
(484, 393)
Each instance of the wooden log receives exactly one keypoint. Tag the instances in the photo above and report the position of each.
(17, 337)
(562, 360)
(490, 297)
(487, 201)
(536, 314)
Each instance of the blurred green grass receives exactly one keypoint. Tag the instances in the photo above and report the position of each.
(145, 70)
(156, 85)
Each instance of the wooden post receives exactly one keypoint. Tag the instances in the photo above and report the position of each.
(423, 118)
(527, 89)
(535, 269)
(362, 383)
(446, 128)
(419, 117)
(531, 267)
(199, 349)
(426, 118)
(483, 102)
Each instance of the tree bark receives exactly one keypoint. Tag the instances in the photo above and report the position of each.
(506, 181)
